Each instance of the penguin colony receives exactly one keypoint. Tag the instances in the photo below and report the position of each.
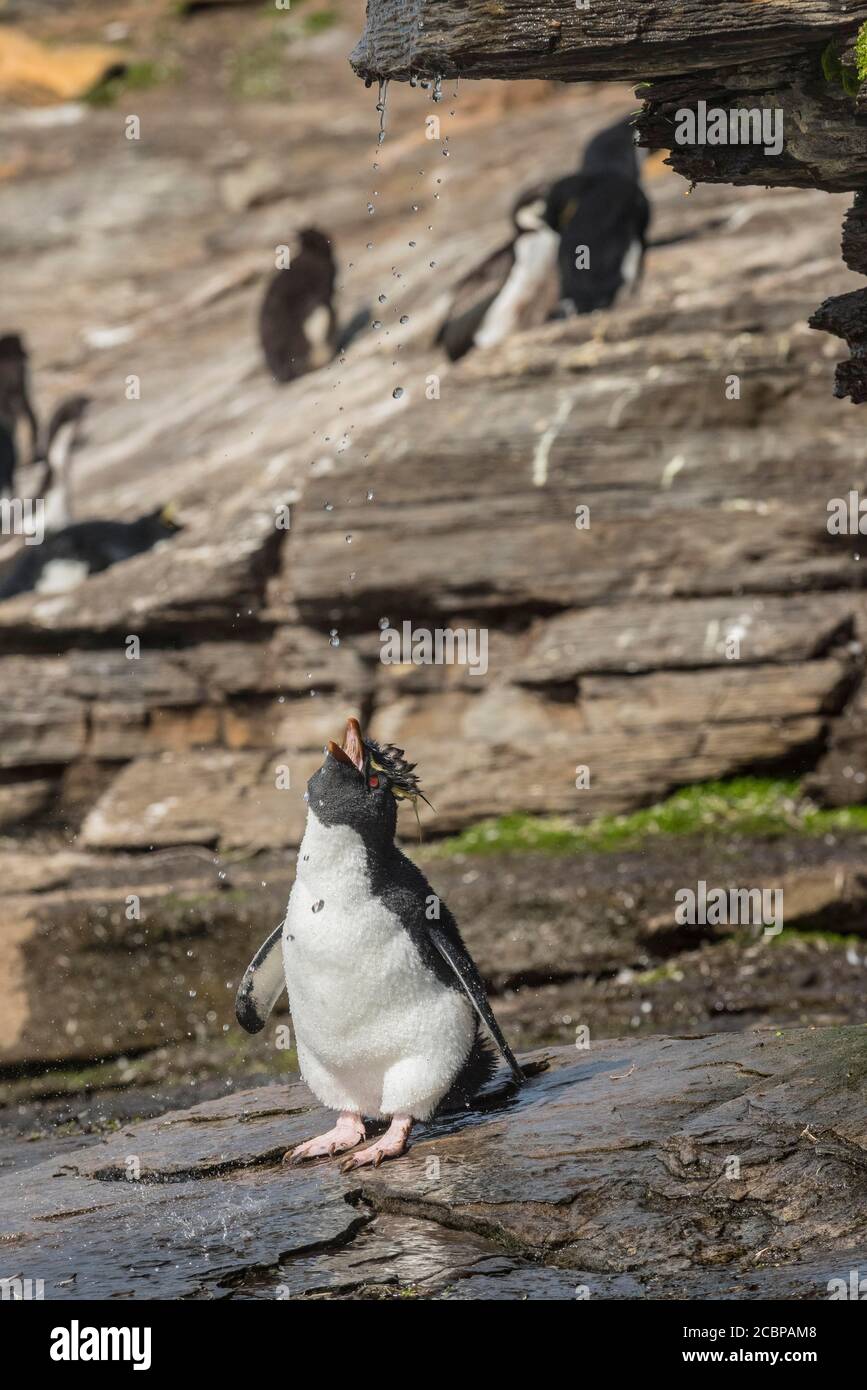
(576, 245)
(70, 549)
(387, 1003)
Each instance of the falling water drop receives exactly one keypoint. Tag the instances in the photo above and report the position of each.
(349, 539)
(397, 392)
(333, 638)
(380, 106)
(383, 624)
(317, 907)
(404, 318)
(437, 93)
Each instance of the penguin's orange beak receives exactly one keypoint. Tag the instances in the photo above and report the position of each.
(352, 751)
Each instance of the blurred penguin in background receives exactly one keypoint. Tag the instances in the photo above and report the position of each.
(15, 404)
(298, 327)
(63, 438)
(514, 288)
(602, 217)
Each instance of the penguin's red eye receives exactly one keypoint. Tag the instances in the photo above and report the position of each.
(373, 780)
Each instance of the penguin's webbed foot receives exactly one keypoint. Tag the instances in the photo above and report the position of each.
(348, 1132)
(392, 1144)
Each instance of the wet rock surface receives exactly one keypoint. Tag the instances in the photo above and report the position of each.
(716, 1166)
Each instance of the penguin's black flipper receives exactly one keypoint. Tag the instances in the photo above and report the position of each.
(455, 954)
(262, 985)
(472, 299)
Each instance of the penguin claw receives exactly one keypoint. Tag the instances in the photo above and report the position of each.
(348, 1132)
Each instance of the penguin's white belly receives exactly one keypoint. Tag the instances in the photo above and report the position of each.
(529, 294)
(377, 1032)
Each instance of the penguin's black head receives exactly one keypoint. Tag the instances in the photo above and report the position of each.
(613, 151)
(360, 784)
(564, 197)
(312, 239)
(12, 348)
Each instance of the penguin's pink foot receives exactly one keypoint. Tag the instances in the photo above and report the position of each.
(391, 1145)
(348, 1132)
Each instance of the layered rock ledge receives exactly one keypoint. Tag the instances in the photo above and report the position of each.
(701, 1167)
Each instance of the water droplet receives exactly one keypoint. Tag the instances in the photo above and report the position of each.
(333, 639)
(397, 392)
(383, 624)
(370, 494)
(383, 299)
(317, 907)
(371, 209)
(349, 539)
(410, 243)
(380, 106)
(329, 507)
(377, 323)
(306, 796)
(404, 318)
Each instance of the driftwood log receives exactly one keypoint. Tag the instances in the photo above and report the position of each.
(797, 58)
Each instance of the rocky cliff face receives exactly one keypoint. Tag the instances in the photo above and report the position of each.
(633, 505)
(701, 623)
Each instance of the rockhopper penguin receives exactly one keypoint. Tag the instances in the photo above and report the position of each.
(513, 289)
(385, 998)
(602, 216)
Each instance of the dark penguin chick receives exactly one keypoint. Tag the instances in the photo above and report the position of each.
(66, 558)
(386, 1000)
(602, 217)
(297, 325)
(64, 436)
(513, 289)
(15, 404)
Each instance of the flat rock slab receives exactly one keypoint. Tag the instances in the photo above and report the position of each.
(714, 1166)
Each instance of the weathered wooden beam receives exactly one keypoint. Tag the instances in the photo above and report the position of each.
(572, 41)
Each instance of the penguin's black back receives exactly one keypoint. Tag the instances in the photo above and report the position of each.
(98, 544)
(291, 297)
(607, 213)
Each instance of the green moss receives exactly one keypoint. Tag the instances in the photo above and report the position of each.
(843, 74)
(832, 68)
(136, 77)
(861, 53)
(759, 808)
(321, 20)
